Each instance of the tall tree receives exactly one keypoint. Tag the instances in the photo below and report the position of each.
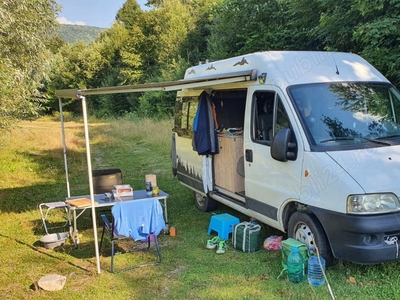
(194, 47)
(120, 49)
(247, 26)
(303, 19)
(378, 36)
(77, 66)
(25, 26)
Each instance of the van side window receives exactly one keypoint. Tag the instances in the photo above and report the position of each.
(269, 116)
(282, 120)
(185, 111)
(263, 113)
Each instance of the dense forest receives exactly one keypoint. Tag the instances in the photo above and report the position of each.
(159, 44)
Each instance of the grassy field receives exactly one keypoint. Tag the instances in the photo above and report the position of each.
(32, 172)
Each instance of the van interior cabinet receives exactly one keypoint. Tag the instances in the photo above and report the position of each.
(225, 164)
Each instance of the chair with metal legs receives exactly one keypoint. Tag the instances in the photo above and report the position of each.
(140, 220)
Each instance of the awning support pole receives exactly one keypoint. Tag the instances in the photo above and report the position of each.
(89, 163)
(64, 147)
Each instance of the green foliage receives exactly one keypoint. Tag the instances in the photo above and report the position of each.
(75, 33)
(240, 27)
(129, 14)
(303, 32)
(194, 47)
(379, 34)
(25, 27)
(174, 20)
(156, 104)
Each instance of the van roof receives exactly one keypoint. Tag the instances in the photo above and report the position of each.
(285, 68)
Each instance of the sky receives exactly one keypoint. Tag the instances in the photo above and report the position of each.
(99, 13)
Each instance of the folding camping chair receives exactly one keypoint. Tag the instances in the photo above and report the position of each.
(45, 208)
(138, 219)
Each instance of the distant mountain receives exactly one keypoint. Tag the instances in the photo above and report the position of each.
(74, 33)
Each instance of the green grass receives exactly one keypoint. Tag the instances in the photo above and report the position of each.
(32, 172)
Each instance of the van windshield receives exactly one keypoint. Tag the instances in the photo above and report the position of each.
(348, 113)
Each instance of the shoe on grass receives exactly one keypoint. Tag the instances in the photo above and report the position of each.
(221, 247)
(212, 243)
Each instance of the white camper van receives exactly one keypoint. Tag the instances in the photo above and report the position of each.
(306, 142)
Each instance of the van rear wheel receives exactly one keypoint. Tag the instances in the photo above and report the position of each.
(307, 229)
(204, 203)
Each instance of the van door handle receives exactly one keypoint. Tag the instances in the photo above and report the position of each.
(249, 155)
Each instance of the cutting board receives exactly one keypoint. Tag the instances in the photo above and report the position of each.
(80, 202)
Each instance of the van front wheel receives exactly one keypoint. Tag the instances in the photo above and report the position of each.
(307, 229)
(204, 203)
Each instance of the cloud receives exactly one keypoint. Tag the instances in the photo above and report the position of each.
(63, 20)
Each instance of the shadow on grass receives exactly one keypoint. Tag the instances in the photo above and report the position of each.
(43, 180)
(37, 247)
(40, 174)
(22, 199)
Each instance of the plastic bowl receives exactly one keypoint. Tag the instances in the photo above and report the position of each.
(53, 240)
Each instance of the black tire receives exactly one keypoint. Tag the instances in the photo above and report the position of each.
(204, 203)
(303, 227)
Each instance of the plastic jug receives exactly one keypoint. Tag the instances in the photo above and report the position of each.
(316, 269)
(295, 266)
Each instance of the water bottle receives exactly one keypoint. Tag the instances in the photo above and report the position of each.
(316, 270)
(295, 266)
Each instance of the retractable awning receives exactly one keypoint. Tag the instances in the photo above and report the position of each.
(166, 86)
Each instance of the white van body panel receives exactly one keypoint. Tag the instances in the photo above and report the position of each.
(375, 169)
(189, 162)
(326, 184)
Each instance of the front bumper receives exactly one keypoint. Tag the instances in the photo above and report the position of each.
(366, 239)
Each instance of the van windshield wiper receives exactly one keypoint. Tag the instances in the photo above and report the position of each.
(336, 139)
(388, 137)
(377, 141)
(348, 138)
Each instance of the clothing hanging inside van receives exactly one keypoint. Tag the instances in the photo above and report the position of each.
(205, 139)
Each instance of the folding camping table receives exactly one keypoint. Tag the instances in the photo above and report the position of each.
(101, 200)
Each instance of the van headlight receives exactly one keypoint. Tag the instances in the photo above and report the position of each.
(372, 204)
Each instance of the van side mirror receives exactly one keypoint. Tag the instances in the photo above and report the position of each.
(282, 149)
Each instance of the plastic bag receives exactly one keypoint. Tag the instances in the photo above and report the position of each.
(274, 242)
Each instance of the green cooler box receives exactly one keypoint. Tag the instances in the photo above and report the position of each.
(246, 237)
